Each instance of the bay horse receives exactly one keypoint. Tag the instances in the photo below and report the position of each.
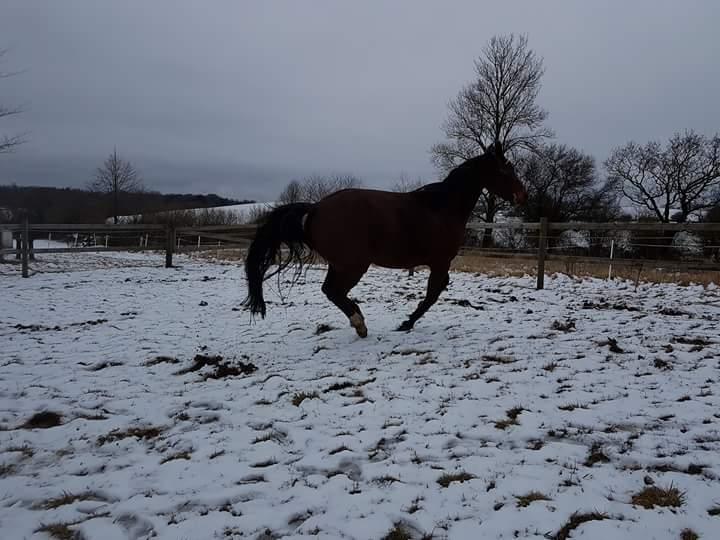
(354, 228)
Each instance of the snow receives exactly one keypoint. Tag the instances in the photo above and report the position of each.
(234, 457)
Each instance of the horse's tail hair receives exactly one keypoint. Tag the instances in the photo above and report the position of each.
(282, 226)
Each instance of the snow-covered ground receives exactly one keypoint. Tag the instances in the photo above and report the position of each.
(504, 412)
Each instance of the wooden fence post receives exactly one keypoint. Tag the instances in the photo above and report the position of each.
(169, 245)
(542, 248)
(25, 246)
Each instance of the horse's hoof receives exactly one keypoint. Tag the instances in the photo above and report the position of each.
(405, 327)
(358, 323)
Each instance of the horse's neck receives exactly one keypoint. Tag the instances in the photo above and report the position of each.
(465, 192)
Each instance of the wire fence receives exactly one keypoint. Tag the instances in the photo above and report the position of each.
(694, 246)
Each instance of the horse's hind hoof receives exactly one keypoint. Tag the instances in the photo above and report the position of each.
(405, 327)
(358, 323)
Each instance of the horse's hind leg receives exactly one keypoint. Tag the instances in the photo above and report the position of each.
(336, 287)
(438, 281)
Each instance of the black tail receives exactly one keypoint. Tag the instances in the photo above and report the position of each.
(283, 225)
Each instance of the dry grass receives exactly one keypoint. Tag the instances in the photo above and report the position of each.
(144, 433)
(596, 455)
(398, 532)
(43, 420)
(299, 397)
(501, 266)
(59, 531)
(6, 469)
(574, 521)
(69, 498)
(179, 455)
(689, 534)
(448, 478)
(653, 496)
(524, 501)
(511, 420)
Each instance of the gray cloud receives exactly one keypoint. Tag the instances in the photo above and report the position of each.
(239, 97)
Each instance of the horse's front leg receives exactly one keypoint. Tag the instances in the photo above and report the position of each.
(438, 281)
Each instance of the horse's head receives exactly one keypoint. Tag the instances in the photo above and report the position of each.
(502, 179)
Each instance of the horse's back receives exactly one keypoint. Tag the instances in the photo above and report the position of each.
(356, 227)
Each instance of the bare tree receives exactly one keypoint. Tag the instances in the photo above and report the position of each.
(115, 178)
(315, 188)
(8, 142)
(671, 183)
(405, 185)
(292, 193)
(498, 106)
(562, 185)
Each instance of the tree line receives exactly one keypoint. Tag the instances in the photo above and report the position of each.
(68, 205)
(675, 181)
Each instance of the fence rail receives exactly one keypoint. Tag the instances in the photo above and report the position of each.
(541, 241)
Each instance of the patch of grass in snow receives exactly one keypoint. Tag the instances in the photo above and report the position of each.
(338, 386)
(692, 469)
(59, 531)
(564, 326)
(596, 455)
(6, 469)
(448, 478)
(689, 534)
(69, 498)
(494, 359)
(551, 366)
(179, 455)
(612, 345)
(415, 505)
(385, 480)
(511, 420)
(144, 433)
(299, 397)
(43, 420)
(574, 521)
(653, 496)
(323, 328)
(272, 435)
(162, 360)
(398, 532)
(26, 450)
(220, 369)
(262, 464)
(662, 364)
(524, 501)
(572, 406)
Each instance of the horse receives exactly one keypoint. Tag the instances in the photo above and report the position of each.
(354, 228)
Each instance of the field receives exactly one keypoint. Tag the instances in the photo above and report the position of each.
(141, 402)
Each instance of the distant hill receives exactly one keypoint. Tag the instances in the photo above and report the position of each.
(69, 205)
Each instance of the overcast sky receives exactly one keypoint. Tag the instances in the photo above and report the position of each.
(239, 97)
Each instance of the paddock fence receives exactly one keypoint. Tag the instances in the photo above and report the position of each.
(686, 246)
